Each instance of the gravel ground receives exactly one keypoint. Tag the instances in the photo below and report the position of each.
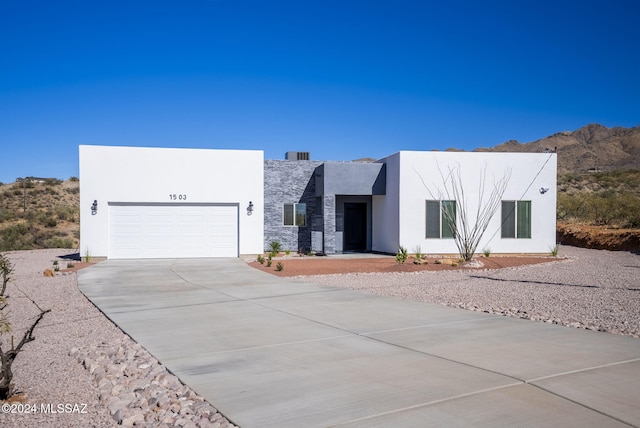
(44, 372)
(592, 289)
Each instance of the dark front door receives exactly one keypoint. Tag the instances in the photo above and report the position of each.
(355, 227)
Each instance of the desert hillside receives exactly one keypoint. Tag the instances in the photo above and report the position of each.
(39, 213)
(592, 148)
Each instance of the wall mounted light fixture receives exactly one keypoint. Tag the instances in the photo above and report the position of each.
(94, 207)
(544, 190)
(250, 208)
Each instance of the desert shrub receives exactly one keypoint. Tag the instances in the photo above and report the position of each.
(64, 213)
(618, 180)
(7, 215)
(568, 177)
(30, 216)
(417, 253)
(17, 192)
(52, 182)
(50, 222)
(260, 259)
(16, 237)
(569, 207)
(275, 248)
(279, 267)
(402, 255)
(40, 237)
(57, 242)
(26, 236)
(46, 219)
(609, 208)
(75, 179)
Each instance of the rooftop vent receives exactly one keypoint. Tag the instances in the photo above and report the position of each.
(297, 156)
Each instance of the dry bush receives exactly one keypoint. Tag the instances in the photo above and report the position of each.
(621, 209)
(39, 215)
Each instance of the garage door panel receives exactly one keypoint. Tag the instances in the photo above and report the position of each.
(173, 231)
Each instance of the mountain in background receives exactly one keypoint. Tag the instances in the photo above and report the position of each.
(594, 148)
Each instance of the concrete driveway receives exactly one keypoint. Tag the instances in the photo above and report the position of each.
(273, 352)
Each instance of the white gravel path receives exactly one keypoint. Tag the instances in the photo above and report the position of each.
(591, 289)
(44, 372)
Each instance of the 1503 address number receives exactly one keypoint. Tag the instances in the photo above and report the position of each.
(177, 197)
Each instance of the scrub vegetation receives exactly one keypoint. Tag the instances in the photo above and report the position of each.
(600, 199)
(37, 213)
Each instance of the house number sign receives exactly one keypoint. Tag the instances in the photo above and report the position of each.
(177, 197)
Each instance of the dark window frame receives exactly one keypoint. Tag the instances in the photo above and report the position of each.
(515, 219)
(437, 226)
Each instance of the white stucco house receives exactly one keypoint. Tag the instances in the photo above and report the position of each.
(179, 203)
(419, 187)
(170, 203)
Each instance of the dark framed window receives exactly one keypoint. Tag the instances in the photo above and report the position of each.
(295, 215)
(516, 219)
(441, 219)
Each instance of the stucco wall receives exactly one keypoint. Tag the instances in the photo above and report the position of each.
(385, 210)
(423, 176)
(150, 175)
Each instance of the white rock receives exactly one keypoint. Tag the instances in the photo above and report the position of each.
(132, 420)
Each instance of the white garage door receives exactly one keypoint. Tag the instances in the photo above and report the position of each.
(172, 231)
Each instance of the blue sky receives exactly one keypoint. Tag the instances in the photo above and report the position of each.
(341, 79)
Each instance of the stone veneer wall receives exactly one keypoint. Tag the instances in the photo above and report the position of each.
(329, 206)
(289, 181)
